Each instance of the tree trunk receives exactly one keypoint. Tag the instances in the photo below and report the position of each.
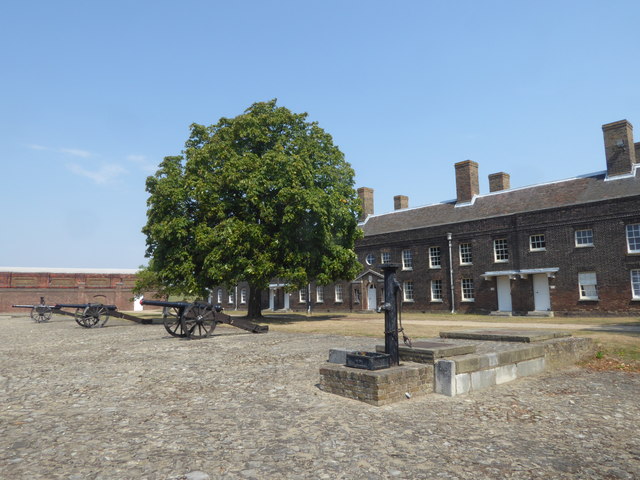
(254, 308)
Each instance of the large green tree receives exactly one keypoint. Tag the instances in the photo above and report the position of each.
(260, 196)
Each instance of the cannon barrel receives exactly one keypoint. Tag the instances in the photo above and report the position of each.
(162, 303)
(83, 305)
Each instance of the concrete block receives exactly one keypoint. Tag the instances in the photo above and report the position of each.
(483, 379)
(530, 367)
(445, 377)
(463, 383)
(338, 355)
(506, 373)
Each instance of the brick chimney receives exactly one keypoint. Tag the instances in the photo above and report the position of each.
(619, 148)
(400, 202)
(366, 197)
(499, 181)
(467, 185)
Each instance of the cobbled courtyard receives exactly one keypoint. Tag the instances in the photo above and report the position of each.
(128, 401)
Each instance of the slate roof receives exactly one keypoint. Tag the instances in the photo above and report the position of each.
(575, 191)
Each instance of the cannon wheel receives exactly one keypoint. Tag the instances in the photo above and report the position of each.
(198, 320)
(92, 316)
(171, 318)
(41, 313)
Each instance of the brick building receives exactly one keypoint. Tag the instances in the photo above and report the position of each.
(565, 247)
(66, 285)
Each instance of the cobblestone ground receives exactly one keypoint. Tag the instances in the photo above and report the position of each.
(130, 402)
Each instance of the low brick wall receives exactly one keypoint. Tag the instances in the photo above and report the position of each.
(378, 387)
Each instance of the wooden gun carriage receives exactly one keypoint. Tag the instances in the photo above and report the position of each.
(88, 315)
(180, 319)
(198, 319)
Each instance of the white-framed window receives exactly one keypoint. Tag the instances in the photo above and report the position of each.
(588, 286)
(230, 299)
(635, 284)
(385, 257)
(243, 295)
(435, 258)
(319, 294)
(302, 294)
(468, 292)
(466, 254)
(407, 291)
(584, 238)
(219, 297)
(407, 260)
(338, 292)
(370, 260)
(537, 243)
(500, 250)
(436, 290)
(633, 238)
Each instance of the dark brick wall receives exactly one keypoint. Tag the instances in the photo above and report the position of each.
(608, 258)
(27, 288)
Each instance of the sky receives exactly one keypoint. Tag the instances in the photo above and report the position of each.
(95, 94)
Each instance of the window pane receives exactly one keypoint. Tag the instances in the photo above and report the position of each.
(407, 260)
(633, 238)
(436, 290)
(635, 283)
(465, 254)
(467, 289)
(407, 288)
(537, 242)
(434, 257)
(588, 285)
(501, 250)
(386, 257)
(320, 294)
(338, 293)
(584, 238)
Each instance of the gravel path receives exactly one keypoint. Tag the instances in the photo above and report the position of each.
(129, 402)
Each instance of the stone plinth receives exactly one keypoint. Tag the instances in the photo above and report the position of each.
(504, 335)
(378, 387)
(429, 352)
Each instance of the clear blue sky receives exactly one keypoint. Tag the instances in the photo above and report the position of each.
(94, 94)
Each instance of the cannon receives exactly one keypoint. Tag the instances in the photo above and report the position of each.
(39, 313)
(198, 319)
(88, 315)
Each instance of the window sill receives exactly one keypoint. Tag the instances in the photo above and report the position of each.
(408, 301)
(589, 299)
(585, 246)
(501, 261)
(464, 300)
(440, 301)
(466, 264)
(435, 268)
(533, 250)
(409, 269)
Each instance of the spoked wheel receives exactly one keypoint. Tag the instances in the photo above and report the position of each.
(41, 313)
(92, 316)
(198, 321)
(171, 319)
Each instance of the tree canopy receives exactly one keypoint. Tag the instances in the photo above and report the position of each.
(259, 196)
